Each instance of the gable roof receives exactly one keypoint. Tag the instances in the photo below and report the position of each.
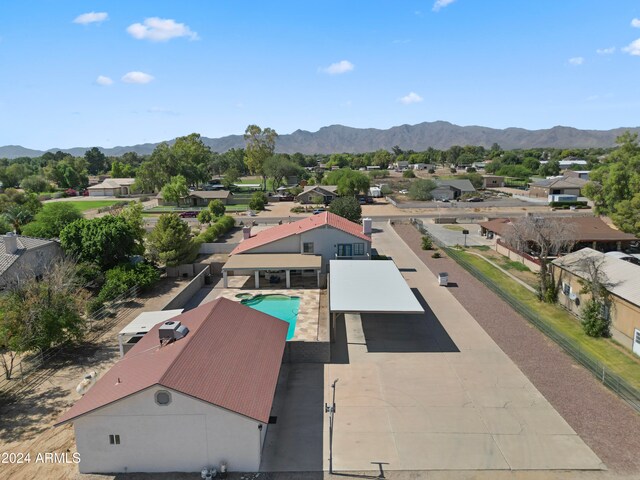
(326, 188)
(113, 183)
(463, 185)
(587, 229)
(560, 182)
(296, 228)
(24, 245)
(210, 194)
(231, 358)
(624, 276)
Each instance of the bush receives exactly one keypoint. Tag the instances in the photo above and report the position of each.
(258, 201)
(205, 216)
(217, 208)
(408, 174)
(436, 255)
(593, 321)
(144, 198)
(431, 170)
(421, 189)
(217, 229)
(427, 243)
(378, 173)
(568, 204)
(297, 210)
(453, 170)
(347, 207)
(123, 277)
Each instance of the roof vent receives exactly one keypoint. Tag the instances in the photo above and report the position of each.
(168, 331)
(11, 243)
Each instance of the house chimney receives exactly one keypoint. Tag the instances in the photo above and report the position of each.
(246, 232)
(366, 226)
(10, 243)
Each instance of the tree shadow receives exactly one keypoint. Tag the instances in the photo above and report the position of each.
(402, 333)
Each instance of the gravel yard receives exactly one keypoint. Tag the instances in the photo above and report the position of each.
(607, 424)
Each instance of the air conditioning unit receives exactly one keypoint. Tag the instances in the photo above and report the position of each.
(168, 329)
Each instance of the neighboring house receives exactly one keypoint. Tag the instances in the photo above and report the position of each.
(25, 257)
(556, 186)
(327, 192)
(567, 162)
(452, 189)
(326, 235)
(179, 403)
(422, 166)
(199, 198)
(624, 291)
(589, 232)
(401, 165)
(112, 187)
(479, 165)
(581, 174)
(492, 181)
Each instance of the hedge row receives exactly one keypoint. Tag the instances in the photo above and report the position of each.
(217, 229)
(573, 203)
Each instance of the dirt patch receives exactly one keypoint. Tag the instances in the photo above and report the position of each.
(606, 423)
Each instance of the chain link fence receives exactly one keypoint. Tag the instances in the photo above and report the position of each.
(35, 367)
(621, 387)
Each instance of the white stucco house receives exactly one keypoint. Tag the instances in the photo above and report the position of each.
(302, 247)
(183, 400)
(112, 187)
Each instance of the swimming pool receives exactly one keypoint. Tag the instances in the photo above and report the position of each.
(279, 306)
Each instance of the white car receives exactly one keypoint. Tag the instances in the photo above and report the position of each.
(403, 192)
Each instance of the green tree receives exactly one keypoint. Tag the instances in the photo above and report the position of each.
(421, 190)
(35, 184)
(96, 161)
(408, 174)
(175, 190)
(18, 216)
(132, 214)
(231, 176)
(260, 145)
(49, 222)
(346, 207)
(278, 167)
(626, 215)
(217, 208)
(105, 241)
(475, 179)
(204, 216)
(38, 314)
(258, 201)
(170, 242)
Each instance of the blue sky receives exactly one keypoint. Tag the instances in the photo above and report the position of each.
(107, 73)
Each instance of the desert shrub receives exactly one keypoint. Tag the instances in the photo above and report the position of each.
(123, 277)
(408, 174)
(431, 170)
(594, 323)
(258, 201)
(436, 255)
(427, 243)
(217, 229)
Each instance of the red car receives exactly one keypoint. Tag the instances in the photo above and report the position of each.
(188, 214)
(70, 192)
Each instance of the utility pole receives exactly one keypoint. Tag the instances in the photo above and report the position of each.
(331, 410)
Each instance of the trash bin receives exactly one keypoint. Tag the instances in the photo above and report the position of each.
(443, 279)
(208, 279)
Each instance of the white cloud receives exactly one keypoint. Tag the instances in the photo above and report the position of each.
(412, 97)
(137, 77)
(633, 48)
(635, 23)
(104, 81)
(576, 61)
(91, 17)
(606, 51)
(160, 30)
(439, 4)
(342, 66)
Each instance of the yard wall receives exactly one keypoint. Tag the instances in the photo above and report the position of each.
(181, 299)
(211, 248)
(511, 255)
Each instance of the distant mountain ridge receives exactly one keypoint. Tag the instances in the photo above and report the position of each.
(340, 139)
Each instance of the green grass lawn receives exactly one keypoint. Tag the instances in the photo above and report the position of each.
(83, 206)
(603, 350)
(513, 265)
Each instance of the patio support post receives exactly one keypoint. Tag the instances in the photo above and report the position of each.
(225, 279)
(257, 277)
(318, 276)
(288, 277)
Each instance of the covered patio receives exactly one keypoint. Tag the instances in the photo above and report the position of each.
(374, 286)
(272, 262)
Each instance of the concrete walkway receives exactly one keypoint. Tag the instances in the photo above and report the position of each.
(435, 392)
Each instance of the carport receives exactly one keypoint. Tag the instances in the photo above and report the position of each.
(257, 262)
(372, 286)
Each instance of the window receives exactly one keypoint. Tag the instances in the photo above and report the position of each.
(163, 397)
(114, 439)
(605, 311)
(307, 247)
(358, 248)
(345, 250)
(566, 289)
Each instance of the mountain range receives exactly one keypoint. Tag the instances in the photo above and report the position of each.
(340, 139)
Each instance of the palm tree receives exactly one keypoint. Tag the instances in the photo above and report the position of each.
(18, 216)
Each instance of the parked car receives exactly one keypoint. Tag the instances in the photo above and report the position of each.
(319, 210)
(475, 199)
(189, 214)
(70, 192)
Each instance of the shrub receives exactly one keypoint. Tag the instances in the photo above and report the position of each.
(347, 207)
(144, 198)
(217, 229)
(568, 204)
(408, 174)
(297, 210)
(594, 323)
(453, 170)
(427, 243)
(123, 277)
(258, 201)
(217, 208)
(436, 255)
(421, 189)
(431, 170)
(205, 216)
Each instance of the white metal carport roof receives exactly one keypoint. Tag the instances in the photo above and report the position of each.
(146, 320)
(369, 286)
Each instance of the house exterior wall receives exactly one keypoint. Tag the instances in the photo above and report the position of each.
(307, 197)
(184, 436)
(625, 316)
(492, 182)
(104, 192)
(31, 263)
(443, 193)
(325, 241)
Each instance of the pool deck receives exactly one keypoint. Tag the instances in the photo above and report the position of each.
(307, 324)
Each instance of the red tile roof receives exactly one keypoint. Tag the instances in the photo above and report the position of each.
(231, 358)
(287, 229)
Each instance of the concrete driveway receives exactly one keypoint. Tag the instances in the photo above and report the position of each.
(434, 391)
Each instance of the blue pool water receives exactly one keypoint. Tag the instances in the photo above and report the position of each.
(279, 306)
